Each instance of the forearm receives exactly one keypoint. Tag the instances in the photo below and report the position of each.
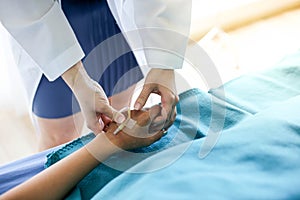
(83, 87)
(56, 181)
(76, 77)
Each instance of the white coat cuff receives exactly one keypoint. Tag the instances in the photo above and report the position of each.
(163, 59)
(65, 61)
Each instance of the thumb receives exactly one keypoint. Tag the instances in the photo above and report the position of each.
(113, 114)
(144, 95)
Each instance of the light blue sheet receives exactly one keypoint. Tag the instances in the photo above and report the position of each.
(16, 172)
(257, 159)
(257, 155)
(192, 121)
(257, 91)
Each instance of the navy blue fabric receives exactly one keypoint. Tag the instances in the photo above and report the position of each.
(92, 23)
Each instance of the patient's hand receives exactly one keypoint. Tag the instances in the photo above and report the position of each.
(141, 134)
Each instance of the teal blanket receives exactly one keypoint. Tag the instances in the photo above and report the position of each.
(257, 155)
(257, 159)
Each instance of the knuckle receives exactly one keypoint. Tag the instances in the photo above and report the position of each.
(141, 99)
(171, 99)
(176, 99)
(143, 96)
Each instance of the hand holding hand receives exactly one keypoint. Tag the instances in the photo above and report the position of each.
(139, 135)
(161, 82)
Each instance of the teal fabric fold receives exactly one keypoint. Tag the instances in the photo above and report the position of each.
(256, 159)
(256, 154)
(192, 122)
(257, 91)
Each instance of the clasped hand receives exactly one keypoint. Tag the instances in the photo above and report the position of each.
(96, 108)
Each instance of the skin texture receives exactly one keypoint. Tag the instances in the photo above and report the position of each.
(56, 181)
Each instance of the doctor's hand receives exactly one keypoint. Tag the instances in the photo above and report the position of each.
(92, 99)
(138, 135)
(161, 82)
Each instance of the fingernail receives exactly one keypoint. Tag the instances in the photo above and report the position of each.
(137, 106)
(120, 118)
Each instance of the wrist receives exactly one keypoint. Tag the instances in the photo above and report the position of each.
(101, 147)
(162, 77)
(70, 75)
(77, 78)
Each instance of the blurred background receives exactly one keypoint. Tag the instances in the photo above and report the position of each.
(241, 36)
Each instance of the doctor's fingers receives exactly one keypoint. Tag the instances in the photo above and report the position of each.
(110, 112)
(144, 95)
(168, 102)
(163, 121)
(94, 122)
(167, 114)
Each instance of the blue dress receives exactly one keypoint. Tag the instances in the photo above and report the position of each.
(108, 60)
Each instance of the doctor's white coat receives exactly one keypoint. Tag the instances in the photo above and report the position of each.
(46, 38)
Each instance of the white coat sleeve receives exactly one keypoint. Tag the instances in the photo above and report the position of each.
(159, 27)
(42, 30)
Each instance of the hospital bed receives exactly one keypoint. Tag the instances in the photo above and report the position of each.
(257, 154)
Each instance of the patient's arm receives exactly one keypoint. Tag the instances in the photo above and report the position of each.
(56, 181)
